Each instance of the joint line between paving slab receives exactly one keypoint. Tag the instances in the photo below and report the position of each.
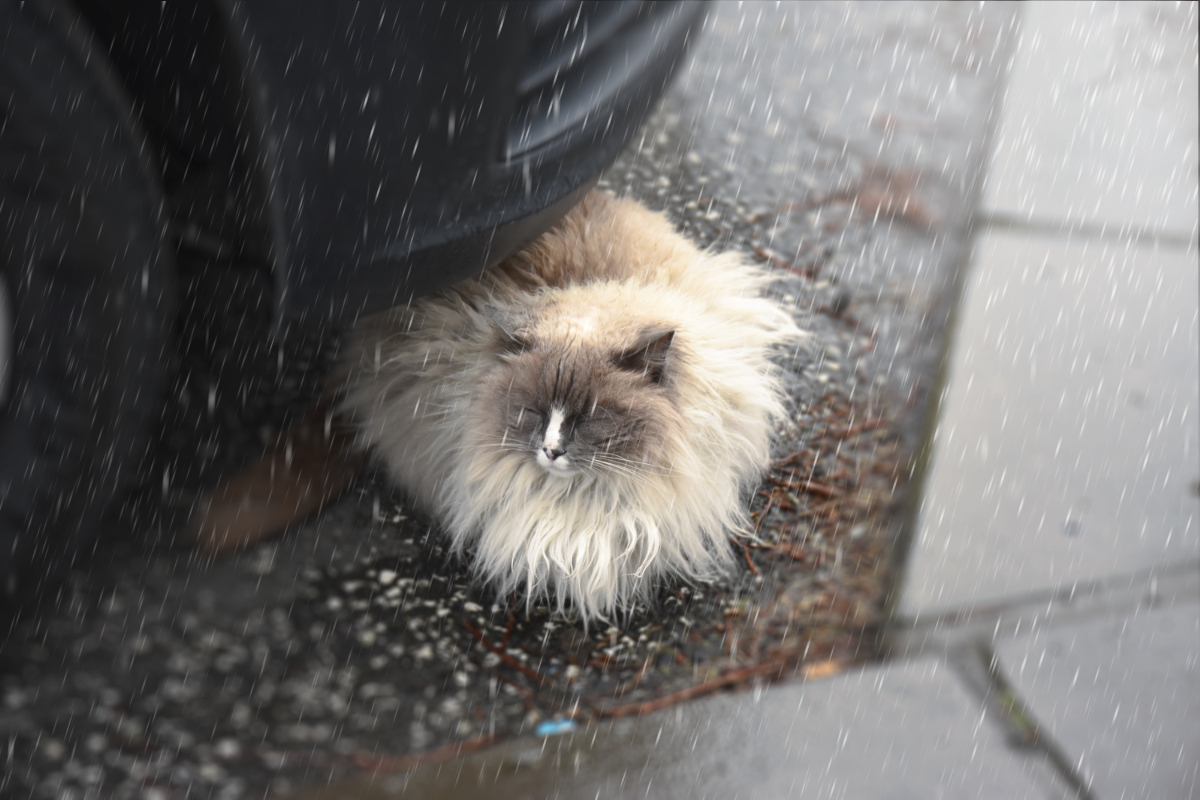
(978, 669)
(1153, 588)
(1131, 234)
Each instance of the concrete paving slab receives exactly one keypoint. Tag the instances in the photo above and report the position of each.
(1100, 122)
(903, 731)
(1068, 443)
(1121, 697)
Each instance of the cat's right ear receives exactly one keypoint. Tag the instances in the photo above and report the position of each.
(508, 328)
(650, 355)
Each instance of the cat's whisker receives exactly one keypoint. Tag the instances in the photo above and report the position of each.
(632, 468)
(640, 465)
(498, 443)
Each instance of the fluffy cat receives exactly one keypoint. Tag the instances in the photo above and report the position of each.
(583, 417)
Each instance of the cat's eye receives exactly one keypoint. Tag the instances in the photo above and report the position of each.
(597, 419)
(598, 413)
(526, 413)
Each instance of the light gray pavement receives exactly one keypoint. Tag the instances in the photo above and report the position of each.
(1100, 122)
(1060, 527)
(1067, 444)
(1047, 636)
(1119, 695)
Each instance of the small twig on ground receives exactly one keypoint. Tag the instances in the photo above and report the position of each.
(776, 261)
(811, 487)
(761, 515)
(784, 208)
(625, 688)
(784, 504)
(749, 561)
(794, 551)
(788, 460)
(505, 657)
(512, 618)
(854, 430)
(840, 314)
(524, 691)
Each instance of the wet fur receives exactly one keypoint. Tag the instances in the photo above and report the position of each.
(655, 355)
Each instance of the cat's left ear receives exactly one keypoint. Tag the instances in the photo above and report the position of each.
(508, 327)
(650, 355)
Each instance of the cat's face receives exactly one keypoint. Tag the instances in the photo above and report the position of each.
(590, 405)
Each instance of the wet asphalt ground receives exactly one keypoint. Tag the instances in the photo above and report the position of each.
(839, 145)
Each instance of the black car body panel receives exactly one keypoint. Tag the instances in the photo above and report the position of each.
(378, 151)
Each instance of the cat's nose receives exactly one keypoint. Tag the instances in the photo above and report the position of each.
(553, 452)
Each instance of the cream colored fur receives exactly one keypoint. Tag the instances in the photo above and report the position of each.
(417, 384)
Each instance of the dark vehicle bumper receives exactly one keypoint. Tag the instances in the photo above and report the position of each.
(406, 146)
(367, 153)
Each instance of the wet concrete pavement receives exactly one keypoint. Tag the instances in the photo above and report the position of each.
(1047, 629)
(1060, 530)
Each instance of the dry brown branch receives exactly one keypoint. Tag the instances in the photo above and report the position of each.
(505, 657)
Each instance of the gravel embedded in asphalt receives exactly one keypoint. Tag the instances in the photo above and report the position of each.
(838, 146)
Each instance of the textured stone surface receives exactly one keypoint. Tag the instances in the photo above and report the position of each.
(1100, 121)
(1067, 447)
(1121, 696)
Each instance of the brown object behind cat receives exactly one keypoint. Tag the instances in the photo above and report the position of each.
(305, 467)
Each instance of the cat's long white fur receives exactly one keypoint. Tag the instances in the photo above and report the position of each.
(594, 542)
